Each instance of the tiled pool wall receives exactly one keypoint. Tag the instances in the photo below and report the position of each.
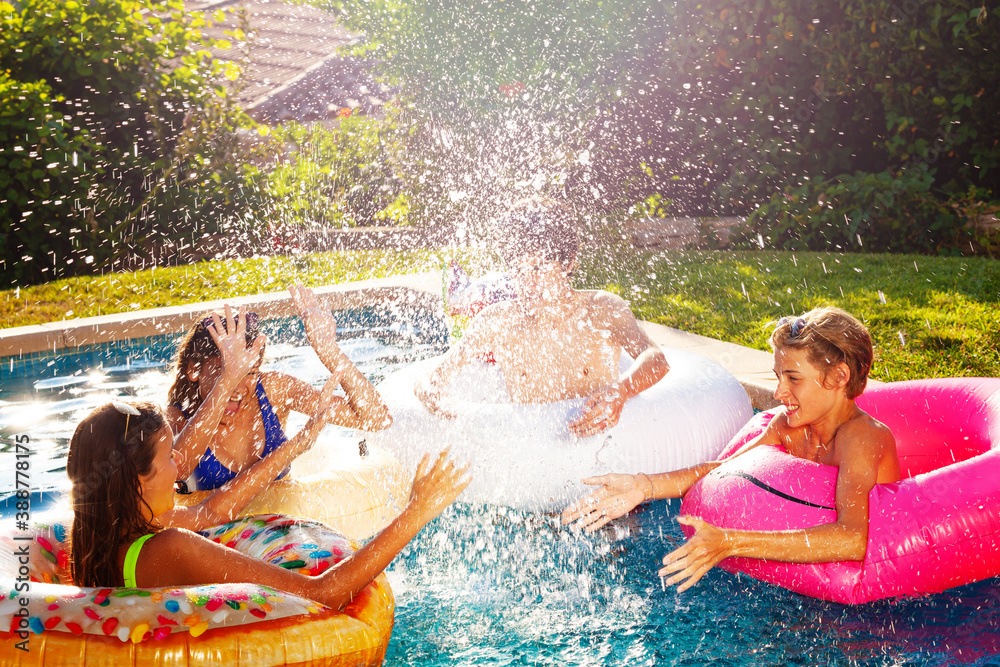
(382, 321)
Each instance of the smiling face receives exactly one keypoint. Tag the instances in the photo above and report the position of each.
(157, 488)
(206, 373)
(807, 392)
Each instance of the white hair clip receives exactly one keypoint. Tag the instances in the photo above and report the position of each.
(125, 408)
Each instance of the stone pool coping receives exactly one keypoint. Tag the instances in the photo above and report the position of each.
(753, 368)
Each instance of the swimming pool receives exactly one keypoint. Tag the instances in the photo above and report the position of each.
(46, 397)
(490, 586)
(486, 585)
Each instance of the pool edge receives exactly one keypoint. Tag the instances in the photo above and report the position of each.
(420, 290)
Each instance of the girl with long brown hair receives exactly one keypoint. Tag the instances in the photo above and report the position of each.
(228, 414)
(126, 530)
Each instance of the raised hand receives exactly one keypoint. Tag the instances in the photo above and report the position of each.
(320, 325)
(435, 486)
(617, 496)
(229, 334)
(689, 562)
(601, 411)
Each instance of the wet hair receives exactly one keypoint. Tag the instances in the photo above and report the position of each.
(109, 452)
(194, 348)
(537, 225)
(830, 336)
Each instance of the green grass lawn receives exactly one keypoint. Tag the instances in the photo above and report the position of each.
(929, 316)
(204, 281)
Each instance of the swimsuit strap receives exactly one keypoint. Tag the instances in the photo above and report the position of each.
(210, 473)
(274, 435)
(185, 413)
(131, 557)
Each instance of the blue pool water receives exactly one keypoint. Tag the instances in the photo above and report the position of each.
(493, 586)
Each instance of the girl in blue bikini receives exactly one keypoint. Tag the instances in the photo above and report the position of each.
(228, 415)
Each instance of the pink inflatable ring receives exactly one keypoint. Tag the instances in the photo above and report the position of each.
(937, 528)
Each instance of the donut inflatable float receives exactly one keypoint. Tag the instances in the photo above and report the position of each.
(524, 456)
(48, 621)
(937, 528)
(355, 492)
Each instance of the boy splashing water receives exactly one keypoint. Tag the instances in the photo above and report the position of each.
(553, 342)
(822, 360)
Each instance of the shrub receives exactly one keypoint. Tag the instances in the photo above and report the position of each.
(715, 107)
(41, 169)
(342, 176)
(129, 130)
(880, 212)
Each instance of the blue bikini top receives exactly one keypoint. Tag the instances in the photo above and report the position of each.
(210, 473)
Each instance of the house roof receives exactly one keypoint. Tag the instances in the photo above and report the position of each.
(293, 70)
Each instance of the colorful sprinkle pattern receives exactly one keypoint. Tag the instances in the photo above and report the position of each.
(139, 614)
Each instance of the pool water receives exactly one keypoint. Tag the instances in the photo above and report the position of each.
(491, 586)
(485, 585)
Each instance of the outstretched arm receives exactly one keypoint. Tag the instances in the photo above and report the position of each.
(619, 494)
(370, 412)
(226, 502)
(237, 361)
(604, 407)
(181, 558)
(861, 449)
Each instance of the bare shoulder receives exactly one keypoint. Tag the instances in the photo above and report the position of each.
(604, 300)
(496, 312)
(285, 393)
(868, 442)
(777, 431)
(277, 384)
(181, 544)
(276, 380)
(866, 431)
(174, 541)
(179, 557)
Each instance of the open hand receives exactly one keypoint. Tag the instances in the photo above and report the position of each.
(601, 411)
(435, 486)
(320, 325)
(229, 334)
(618, 495)
(704, 550)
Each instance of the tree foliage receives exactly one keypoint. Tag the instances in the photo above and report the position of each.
(117, 134)
(880, 110)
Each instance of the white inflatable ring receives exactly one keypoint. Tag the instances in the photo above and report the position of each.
(523, 455)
